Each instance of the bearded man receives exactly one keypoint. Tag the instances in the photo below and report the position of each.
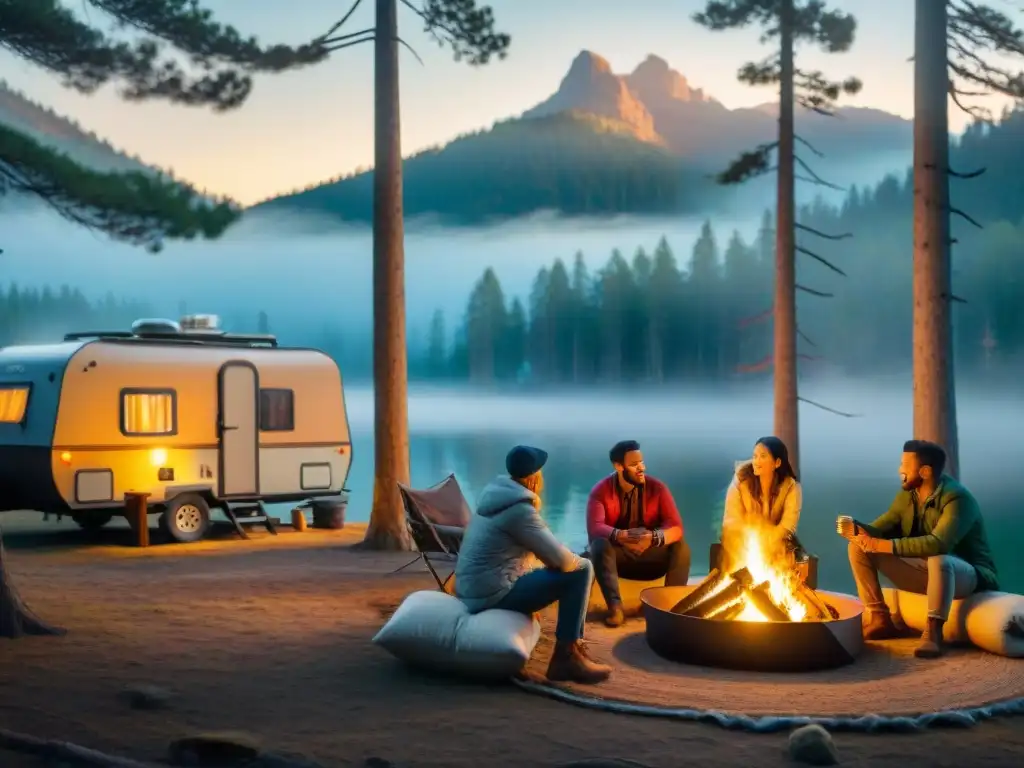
(634, 529)
(931, 542)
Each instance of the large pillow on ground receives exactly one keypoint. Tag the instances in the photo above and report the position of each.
(993, 621)
(435, 631)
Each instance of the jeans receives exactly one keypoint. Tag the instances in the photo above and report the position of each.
(538, 589)
(943, 578)
(612, 560)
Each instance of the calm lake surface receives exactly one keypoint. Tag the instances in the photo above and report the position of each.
(691, 440)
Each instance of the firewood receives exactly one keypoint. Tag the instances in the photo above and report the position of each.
(761, 598)
(710, 583)
(817, 607)
(739, 583)
(729, 612)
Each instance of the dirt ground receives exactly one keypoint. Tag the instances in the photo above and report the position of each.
(272, 637)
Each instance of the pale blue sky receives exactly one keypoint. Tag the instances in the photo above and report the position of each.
(312, 124)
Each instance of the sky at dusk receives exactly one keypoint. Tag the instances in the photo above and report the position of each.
(305, 126)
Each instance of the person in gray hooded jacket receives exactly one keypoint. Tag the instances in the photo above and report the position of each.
(496, 566)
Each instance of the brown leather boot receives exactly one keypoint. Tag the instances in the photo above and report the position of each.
(570, 663)
(878, 626)
(615, 616)
(931, 646)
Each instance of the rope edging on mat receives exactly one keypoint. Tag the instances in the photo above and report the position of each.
(951, 718)
(65, 751)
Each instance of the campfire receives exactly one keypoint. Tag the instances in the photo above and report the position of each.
(758, 582)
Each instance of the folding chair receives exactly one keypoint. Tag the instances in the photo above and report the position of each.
(436, 518)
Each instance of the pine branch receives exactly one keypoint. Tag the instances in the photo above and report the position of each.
(191, 29)
(813, 292)
(805, 337)
(820, 259)
(761, 365)
(47, 34)
(810, 358)
(829, 410)
(815, 178)
(818, 233)
(954, 174)
(808, 144)
(955, 299)
(340, 22)
(748, 165)
(464, 27)
(966, 217)
(755, 319)
(138, 208)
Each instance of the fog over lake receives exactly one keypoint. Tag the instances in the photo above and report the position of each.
(691, 439)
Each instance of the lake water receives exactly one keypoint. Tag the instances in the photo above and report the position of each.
(691, 440)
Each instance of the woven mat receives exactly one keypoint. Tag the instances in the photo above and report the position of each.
(886, 680)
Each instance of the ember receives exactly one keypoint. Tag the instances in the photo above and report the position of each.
(763, 584)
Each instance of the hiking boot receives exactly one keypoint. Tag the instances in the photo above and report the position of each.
(878, 626)
(572, 664)
(931, 646)
(615, 615)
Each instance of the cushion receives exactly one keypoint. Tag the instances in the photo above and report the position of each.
(435, 631)
(993, 621)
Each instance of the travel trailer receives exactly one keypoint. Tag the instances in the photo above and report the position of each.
(196, 417)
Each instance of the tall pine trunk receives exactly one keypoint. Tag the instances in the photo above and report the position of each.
(387, 529)
(934, 389)
(785, 360)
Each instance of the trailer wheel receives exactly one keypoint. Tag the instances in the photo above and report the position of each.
(186, 518)
(92, 521)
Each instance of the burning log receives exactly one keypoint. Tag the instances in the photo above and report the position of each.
(701, 592)
(740, 582)
(760, 597)
(730, 611)
(817, 609)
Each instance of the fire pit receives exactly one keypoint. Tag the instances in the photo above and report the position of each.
(756, 614)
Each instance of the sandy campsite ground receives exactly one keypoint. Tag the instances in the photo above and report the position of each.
(272, 637)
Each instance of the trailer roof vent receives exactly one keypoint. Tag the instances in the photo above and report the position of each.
(200, 324)
(155, 326)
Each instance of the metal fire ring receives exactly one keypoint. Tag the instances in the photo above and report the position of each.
(765, 646)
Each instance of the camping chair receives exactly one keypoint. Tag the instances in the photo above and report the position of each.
(436, 518)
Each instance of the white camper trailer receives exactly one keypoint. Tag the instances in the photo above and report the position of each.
(191, 415)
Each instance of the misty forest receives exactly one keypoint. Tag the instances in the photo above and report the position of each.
(705, 312)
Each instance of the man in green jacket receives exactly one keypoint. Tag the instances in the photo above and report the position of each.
(931, 542)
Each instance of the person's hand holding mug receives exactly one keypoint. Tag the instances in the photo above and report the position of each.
(846, 527)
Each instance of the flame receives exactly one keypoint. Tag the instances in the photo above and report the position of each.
(768, 562)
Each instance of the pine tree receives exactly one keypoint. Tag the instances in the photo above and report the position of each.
(789, 22)
(468, 30)
(954, 44)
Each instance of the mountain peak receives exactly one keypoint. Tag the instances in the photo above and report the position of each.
(654, 79)
(590, 86)
(588, 62)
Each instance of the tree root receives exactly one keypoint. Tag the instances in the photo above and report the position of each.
(65, 751)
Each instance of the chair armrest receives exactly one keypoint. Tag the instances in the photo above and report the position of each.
(452, 531)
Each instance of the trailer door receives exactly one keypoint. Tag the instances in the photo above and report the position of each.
(238, 427)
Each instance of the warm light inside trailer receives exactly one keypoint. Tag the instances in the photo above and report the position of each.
(158, 457)
(65, 457)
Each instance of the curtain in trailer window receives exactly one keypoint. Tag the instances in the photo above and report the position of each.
(13, 401)
(148, 413)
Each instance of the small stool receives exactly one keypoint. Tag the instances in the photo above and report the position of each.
(137, 512)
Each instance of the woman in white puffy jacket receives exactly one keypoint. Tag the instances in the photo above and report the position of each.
(766, 493)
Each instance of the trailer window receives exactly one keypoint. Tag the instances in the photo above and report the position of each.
(277, 410)
(13, 401)
(149, 412)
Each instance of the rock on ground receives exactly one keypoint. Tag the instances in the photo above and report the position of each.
(812, 745)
